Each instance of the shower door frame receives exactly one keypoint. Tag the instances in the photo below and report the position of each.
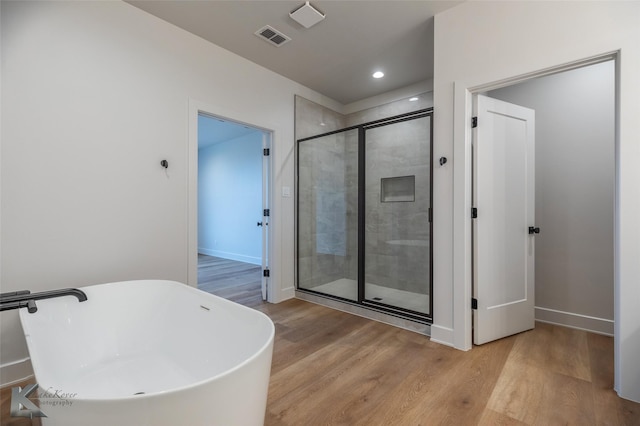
(361, 301)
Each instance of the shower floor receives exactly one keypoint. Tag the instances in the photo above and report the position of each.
(348, 289)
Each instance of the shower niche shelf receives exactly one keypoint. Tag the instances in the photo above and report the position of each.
(398, 189)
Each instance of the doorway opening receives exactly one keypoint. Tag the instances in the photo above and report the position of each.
(571, 230)
(233, 162)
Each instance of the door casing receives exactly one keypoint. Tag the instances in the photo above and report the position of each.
(460, 336)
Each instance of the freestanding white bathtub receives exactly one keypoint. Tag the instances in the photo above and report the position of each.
(149, 353)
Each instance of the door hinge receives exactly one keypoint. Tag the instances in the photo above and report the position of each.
(430, 215)
(265, 152)
(474, 303)
(474, 213)
(265, 273)
(265, 212)
(474, 122)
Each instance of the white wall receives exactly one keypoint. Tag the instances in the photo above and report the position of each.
(424, 87)
(575, 168)
(230, 199)
(478, 43)
(95, 95)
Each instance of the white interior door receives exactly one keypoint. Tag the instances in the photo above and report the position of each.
(504, 196)
(266, 163)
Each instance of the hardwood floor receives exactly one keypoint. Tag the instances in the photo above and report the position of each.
(237, 281)
(333, 368)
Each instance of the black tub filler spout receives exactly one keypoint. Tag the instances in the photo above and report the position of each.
(26, 299)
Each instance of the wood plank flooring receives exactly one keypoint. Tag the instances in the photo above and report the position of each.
(333, 368)
(237, 281)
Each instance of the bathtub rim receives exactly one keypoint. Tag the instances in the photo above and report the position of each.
(168, 392)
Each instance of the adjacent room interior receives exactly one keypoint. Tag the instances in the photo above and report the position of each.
(574, 193)
(230, 207)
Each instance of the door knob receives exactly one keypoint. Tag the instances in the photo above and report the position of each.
(533, 230)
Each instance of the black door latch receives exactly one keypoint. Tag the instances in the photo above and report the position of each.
(533, 230)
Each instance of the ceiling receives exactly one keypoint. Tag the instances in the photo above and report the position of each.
(337, 56)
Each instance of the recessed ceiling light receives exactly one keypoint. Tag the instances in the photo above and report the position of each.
(378, 74)
(413, 99)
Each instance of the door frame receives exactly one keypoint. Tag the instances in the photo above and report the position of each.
(462, 191)
(196, 108)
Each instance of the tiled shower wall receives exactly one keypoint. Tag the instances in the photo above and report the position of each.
(396, 233)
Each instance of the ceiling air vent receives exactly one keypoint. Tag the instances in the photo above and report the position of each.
(272, 35)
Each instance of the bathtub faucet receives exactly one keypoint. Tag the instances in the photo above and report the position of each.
(26, 299)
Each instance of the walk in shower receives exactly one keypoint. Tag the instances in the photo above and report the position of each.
(364, 215)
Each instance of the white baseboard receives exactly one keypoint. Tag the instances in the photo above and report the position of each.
(286, 294)
(15, 371)
(442, 335)
(231, 256)
(578, 321)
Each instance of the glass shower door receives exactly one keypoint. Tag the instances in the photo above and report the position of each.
(328, 214)
(397, 208)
